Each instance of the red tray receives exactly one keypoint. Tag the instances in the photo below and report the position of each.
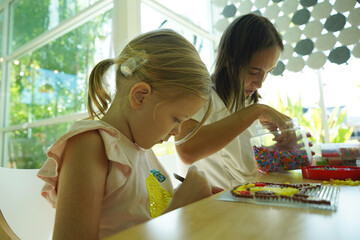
(334, 172)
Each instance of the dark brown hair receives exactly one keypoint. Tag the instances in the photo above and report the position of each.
(245, 36)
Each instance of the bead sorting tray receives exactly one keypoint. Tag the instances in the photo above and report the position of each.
(328, 172)
(324, 193)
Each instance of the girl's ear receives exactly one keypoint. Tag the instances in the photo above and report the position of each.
(138, 94)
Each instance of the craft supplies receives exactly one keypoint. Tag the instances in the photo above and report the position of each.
(284, 149)
(300, 195)
(344, 154)
(331, 172)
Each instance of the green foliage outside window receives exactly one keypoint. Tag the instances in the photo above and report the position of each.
(311, 120)
(32, 18)
(35, 95)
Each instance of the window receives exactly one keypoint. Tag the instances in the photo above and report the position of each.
(52, 80)
(51, 56)
(193, 25)
(43, 16)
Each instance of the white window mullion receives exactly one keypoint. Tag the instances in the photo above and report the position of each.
(325, 125)
(5, 83)
(126, 22)
(46, 122)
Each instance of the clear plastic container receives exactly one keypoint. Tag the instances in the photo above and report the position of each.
(273, 154)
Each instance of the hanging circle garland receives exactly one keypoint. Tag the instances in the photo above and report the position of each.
(292, 35)
(356, 50)
(313, 31)
(221, 24)
(295, 64)
(335, 22)
(245, 7)
(304, 47)
(229, 11)
(316, 60)
(321, 10)
(354, 17)
(288, 51)
(344, 6)
(283, 23)
(219, 3)
(325, 42)
(289, 6)
(349, 36)
(272, 11)
(308, 3)
(301, 17)
(261, 3)
(339, 55)
(279, 69)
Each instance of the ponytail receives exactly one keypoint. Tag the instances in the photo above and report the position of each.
(98, 97)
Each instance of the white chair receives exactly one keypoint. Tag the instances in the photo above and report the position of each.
(25, 211)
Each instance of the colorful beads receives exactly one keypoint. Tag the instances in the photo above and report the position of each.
(271, 160)
(348, 182)
(329, 168)
(350, 153)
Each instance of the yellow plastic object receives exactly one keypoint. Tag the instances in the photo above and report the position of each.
(159, 198)
(347, 181)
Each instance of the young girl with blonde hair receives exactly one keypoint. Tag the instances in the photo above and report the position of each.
(102, 175)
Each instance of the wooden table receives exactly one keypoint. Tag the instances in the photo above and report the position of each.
(214, 219)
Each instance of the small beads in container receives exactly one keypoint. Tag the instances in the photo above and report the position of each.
(271, 160)
(273, 155)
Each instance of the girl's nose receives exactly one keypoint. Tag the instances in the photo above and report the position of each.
(258, 84)
(259, 81)
(176, 130)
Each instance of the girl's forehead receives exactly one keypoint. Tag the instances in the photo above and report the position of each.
(265, 59)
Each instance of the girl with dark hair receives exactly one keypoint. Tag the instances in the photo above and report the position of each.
(248, 51)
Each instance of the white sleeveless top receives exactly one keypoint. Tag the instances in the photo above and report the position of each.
(233, 164)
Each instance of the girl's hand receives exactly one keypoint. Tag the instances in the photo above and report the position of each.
(195, 187)
(273, 119)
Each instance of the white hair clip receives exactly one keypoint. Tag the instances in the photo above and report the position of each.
(132, 64)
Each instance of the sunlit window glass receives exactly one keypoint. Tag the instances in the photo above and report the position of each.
(1, 43)
(1, 34)
(27, 148)
(196, 12)
(52, 80)
(159, 20)
(31, 18)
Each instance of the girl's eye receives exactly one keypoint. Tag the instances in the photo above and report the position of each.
(176, 120)
(254, 73)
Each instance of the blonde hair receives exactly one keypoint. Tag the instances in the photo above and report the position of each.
(173, 64)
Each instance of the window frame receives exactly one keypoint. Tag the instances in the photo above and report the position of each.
(63, 28)
(126, 23)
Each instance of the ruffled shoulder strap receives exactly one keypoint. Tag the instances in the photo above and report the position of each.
(49, 172)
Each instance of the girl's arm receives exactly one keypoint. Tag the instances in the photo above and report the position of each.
(195, 187)
(213, 137)
(81, 187)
